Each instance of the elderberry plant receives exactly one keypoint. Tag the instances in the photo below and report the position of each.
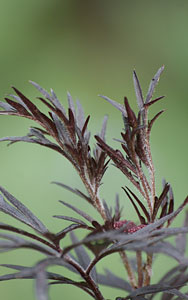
(155, 213)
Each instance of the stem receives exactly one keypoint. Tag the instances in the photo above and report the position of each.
(86, 277)
(146, 187)
(150, 160)
(30, 235)
(152, 174)
(140, 269)
(142, 177)
(128, 268)
(96, 200)
(148, 269)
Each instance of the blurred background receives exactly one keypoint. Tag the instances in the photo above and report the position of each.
(90, 48)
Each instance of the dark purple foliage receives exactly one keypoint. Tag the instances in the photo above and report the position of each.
(69, 136)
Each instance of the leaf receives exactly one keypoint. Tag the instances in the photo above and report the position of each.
(78, 211)
(177, 293)
(132, 120)
(112, 280)
(83, 257)
(117, 213)
(50, 275)
(107, 211)
(25, 273)
(68, 229)
(71, 104)
(40, 89)
(41, 284)
(71, 219)
(153, 120)
(22, 213)
(117, 105)
(17, 242)
(175, 213)
(63, 133)
(169, 250)
(138, 91)
(141, 205)
(141, 218)
(159, 201)
(153, 84)
(57, 103)
(75, 191)
(103, 129)
(7, 106)
(19, 100)
(80, 115)
(18, 107)
(151, 289)
(154, 101)
(8, 209)
(181, 239)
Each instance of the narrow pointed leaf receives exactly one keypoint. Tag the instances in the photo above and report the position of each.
(40, 89)
(117, 105)
(80, 115)
(71, 104)
(159, 201)
(153, 84)
(71, 219)
(41, 285)
(140, 204)
(75, 191)
(103, 129)
(83, 257)
(112, 280)
(78, 211)
(151, 289)
(33, 220)
(181, 239)
(7, 106)
(141, 218)
(138, 91)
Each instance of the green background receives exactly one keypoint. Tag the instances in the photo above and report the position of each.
(90, 48)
